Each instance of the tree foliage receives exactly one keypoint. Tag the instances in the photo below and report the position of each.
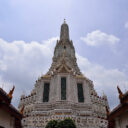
(67, 123)
(52, 124)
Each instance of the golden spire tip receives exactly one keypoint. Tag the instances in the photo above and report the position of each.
(22, 110)
(120, 92)
(11, 92)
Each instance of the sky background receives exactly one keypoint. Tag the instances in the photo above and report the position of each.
(29, 30)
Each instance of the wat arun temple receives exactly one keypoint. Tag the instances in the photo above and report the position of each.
(64, 92)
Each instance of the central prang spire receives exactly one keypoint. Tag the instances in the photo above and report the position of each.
(64, 54)
(64, 33)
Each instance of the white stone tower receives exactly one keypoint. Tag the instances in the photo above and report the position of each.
(64, 92)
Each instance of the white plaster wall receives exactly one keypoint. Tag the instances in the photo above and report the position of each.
(71, 88)
(68, 88)
(86, 92)
(124, 120)
(6, 120)
(58, 88)
(55, 88)
(40, 90)
(52, 90)
(75, 92)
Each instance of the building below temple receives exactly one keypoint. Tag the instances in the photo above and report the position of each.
(118, 118)
(64, 92)
(10, 117)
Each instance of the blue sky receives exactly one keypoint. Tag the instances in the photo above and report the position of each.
(98, 28)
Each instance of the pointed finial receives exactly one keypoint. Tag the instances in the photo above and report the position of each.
(22, 110)
(120, 92)
(64, 32)
(64, 21)
(11, 92)
(107, 111)
(103, 94)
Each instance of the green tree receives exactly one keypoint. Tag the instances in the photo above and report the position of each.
(67, 123)
(52, 124)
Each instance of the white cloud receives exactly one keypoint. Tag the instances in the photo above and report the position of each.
(3, 67)
(97, 37)
(126, 25)
(21, 63)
